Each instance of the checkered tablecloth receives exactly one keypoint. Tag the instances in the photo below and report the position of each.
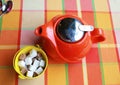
(101, 66)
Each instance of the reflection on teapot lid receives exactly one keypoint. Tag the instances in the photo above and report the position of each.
(68, 30)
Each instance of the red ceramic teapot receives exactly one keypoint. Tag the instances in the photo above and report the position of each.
(67, 38)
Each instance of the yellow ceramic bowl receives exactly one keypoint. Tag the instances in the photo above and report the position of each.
(26, 50)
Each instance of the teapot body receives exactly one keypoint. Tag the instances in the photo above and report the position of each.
(61, 50)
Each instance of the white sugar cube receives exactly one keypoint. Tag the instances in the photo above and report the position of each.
(32, 68)
(33, 53)
(36, 63)
(21, 64)
(42, 63)
(28, 61)
(30, 74)
(39, 70)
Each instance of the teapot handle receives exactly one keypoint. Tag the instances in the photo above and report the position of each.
(97, 35)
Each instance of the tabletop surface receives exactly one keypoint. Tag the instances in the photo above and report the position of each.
(101, 66)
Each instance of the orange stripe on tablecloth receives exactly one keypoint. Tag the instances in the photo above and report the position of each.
(11, 21)
(94, 74)
(93, 67)
(88, 17)
(93, 56)
(108, 55)
(5, 37)
(7, 76)
(6, 56)
(111, 73)
(56, 74)
(75, 74)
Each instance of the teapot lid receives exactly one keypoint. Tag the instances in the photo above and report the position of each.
(68, 30)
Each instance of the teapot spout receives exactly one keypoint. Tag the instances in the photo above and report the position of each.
(40, 31)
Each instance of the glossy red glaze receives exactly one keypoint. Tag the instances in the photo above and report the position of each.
(65, 52)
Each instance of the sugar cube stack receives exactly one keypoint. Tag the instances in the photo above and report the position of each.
(31, 63)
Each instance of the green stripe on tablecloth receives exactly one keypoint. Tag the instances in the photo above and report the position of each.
(0, 23)
(63, 8)
(6, 67)
(66, 69)
(66, 65)
(93, 6)
(101, 63)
